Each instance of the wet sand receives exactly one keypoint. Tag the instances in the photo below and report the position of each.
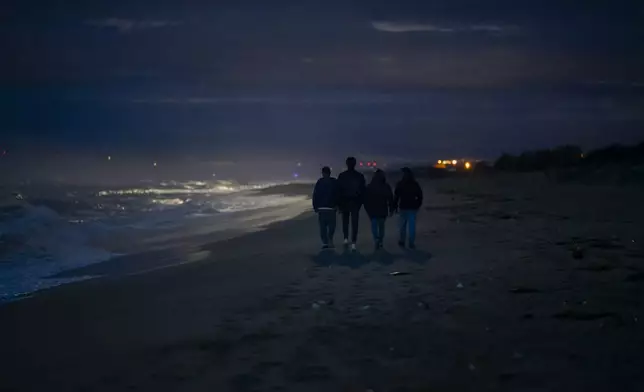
(519, 284)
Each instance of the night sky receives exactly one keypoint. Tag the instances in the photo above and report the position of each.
(282, 80)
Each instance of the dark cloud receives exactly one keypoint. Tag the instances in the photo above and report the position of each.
(386, 44)
(129, 25)
(407, 27)
(273, 74)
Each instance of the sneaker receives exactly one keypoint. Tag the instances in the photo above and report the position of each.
(346, 242)
(353, 248)
(401, 244)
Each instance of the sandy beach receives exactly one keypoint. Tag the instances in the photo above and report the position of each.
(520, 283)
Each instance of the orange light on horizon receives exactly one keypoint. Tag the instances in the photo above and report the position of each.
(454, 162)
(439, 161)
(468, 165)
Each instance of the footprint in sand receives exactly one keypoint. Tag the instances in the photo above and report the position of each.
(245, 382)
(310, 373)
(524, 290)
(576, 315)
(267, 366)
(636, 277)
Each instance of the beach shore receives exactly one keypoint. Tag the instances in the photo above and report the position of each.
(520, 283)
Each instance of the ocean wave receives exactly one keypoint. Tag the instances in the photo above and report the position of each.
(45, 232)
(38, 242)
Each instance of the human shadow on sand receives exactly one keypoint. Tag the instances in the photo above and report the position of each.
(339, 257)
(356, 260)
(416, 256)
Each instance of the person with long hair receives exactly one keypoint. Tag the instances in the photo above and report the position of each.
(379, 204)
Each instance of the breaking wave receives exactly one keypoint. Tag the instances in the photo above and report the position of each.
(46, 231)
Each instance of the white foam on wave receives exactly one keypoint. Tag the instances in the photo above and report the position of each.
(245, 203)
(187, 187)
(242, 217)
(37, 242)
(40, 243)
(170, 202)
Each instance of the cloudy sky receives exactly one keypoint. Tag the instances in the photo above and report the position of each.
(387, 78)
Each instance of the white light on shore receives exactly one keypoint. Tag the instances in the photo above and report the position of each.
(154, 164)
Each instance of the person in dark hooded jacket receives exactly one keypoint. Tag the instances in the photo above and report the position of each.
(379, 203)
(407, 200)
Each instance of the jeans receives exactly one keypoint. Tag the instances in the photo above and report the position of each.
(378, 229)
(354, 214)
(408, 218)
(326, 218)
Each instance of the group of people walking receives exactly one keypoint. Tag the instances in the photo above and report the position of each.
(349, 193)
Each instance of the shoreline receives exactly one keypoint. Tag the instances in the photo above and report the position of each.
(493, 300)
(150, 261)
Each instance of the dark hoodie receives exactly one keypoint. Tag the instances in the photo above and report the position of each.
(326, 194)
(352, 188)
(408, 194)
(379, 200)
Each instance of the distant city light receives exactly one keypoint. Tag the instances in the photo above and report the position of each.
(468, 165)
(154, 164)
(439, 161)
(299, 164)
(295, 175)
(454, 162)
(109, 158)
(374, 164)
(361, 164)
(368, 163)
